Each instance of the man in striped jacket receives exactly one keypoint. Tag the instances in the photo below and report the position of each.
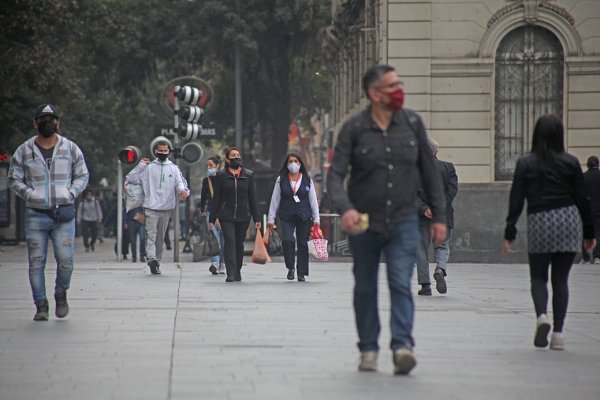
(48, 171)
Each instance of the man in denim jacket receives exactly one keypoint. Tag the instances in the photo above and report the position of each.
(48, 171)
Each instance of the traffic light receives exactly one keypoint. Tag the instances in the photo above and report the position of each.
(191, 152)
(188, 113)
(130, 155)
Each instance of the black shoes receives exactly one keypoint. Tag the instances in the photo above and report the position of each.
(301, 278)
(41, 313)
(154, 266)
(213, 270)
(440, 281)
(425, 290)
(62, 307)
(133, 259)
(229, 279)
(290, 275)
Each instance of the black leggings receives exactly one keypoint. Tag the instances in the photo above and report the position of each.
(538, 269)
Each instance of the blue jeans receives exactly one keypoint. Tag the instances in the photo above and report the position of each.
(215, 260)
(399, 244)
(136, 229)
(38, 229)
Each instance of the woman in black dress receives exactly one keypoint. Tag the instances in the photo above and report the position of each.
(552, 182)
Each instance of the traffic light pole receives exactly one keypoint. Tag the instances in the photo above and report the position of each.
(176, 216)
(119, 208)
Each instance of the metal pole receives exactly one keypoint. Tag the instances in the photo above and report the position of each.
(238, 92)
(119, 208)
(176, 216)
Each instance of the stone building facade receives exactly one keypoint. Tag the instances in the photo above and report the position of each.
(480, 73)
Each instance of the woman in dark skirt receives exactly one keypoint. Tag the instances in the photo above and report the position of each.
(552, 182)
(294, 200)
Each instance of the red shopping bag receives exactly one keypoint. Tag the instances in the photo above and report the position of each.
(316, 232)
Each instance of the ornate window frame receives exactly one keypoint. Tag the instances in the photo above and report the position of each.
(538, 12)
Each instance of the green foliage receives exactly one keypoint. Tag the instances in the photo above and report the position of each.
(102, 63)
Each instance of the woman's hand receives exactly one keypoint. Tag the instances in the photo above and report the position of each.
(589, 244)
(271, 225)
(506, 247)
(258, 225)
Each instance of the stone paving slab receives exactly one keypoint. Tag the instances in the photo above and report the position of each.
(188, 335)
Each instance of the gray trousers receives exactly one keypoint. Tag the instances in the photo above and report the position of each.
(157, 222)
(441, 253)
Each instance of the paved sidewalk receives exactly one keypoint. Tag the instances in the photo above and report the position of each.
(188, 335)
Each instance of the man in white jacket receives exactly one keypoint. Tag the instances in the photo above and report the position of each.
(160, 179)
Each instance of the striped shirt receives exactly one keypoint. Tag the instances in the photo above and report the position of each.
(42, 187)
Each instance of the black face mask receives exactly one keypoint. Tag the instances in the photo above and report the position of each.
(162, 156)
(47, 128)
(235, 163)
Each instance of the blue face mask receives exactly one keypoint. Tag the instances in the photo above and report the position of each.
(212, 171)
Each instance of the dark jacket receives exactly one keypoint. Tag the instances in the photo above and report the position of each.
(450, 184)
(206, 198)
(235, 198)
(386, 170)
(592, 184)
(562, 185)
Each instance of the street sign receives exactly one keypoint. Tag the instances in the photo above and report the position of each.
(206, 132)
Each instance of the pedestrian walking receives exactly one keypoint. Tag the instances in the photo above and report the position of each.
(386, 147)
(233, 205)
(294, 201)
(162, 182)
(136, 228)
(49, 172)
(592, 185)
(207, 196)
(552, 182)
(89, 218)
(442, 251)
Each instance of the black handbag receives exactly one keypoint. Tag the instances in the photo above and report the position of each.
(211, 245)
(60, 213)
(274, 247)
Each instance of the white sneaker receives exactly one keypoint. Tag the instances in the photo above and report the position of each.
(557, 341)
(222, 269)
(542, 329)
(368, 361)
(404, 361)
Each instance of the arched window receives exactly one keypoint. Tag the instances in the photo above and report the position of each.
(529, 83)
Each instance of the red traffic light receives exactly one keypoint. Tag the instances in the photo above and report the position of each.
(130, 155)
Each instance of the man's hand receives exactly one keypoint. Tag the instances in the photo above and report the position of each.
(438, 233)
(589, 244)
(210, 226)
(271, 225)
(428, 213)
(349, 220)
(506, 247)
(182, 195)
(145, 160)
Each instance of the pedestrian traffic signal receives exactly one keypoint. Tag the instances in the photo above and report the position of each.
(130, 155)
(191, 152)
(188, 113)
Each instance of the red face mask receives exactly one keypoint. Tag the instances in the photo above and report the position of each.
(396, 99)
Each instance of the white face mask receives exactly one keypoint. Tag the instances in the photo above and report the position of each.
(294, 168)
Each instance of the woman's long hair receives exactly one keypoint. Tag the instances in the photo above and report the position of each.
(548, 140)
(283, 172)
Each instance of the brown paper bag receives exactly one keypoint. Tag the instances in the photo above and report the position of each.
(260, 254)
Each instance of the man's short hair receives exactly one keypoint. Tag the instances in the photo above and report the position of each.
(373, 75)
(592, 162)
(161, 143)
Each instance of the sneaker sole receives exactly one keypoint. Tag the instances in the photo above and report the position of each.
(440, 282)
(58, 315)
(541, 335)
(404, 364)
(40, 317)
(367, 368)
